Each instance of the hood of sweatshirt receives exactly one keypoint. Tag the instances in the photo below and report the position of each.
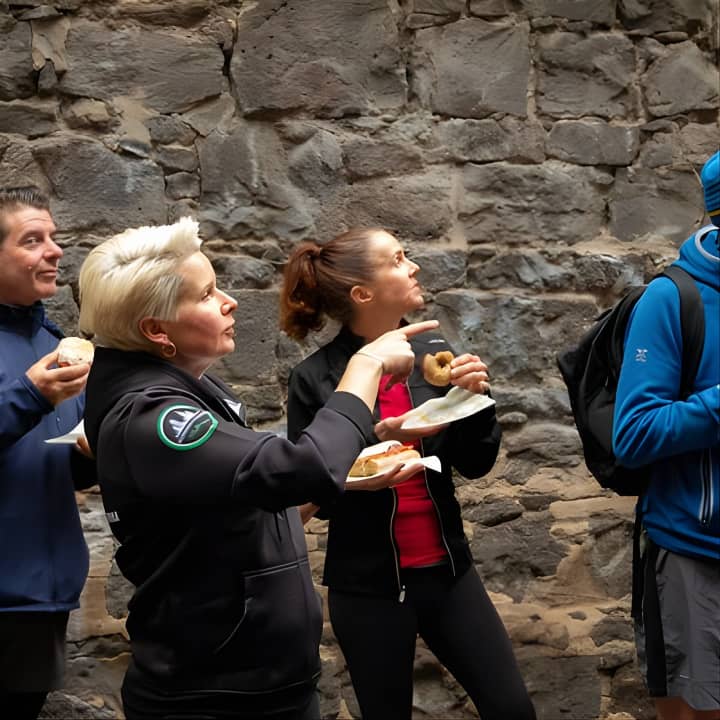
(700, 256)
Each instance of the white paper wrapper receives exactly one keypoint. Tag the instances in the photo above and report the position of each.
(69, 438)
(432, 461)
(457, 404)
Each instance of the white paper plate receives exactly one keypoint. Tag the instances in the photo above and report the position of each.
(69, 438)
(457, 404)
(432, 462)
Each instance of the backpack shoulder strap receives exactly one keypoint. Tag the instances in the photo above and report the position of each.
(692, 322)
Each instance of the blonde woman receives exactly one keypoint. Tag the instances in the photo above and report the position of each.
(224, 622)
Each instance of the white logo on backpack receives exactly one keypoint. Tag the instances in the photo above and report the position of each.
(641, 355)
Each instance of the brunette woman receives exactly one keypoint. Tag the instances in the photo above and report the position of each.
(398, 563)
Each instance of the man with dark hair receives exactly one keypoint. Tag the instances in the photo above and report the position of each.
(43, 556)
(678, 437)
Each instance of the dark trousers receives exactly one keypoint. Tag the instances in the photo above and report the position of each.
(22, 706)
(311, 712)
(457, 621)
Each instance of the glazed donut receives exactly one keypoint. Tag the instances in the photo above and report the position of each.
(436, 368)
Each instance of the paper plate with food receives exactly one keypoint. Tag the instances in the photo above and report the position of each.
(457, 404)
(376, 460)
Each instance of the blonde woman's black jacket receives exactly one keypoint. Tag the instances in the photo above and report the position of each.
(361, 555)
(224, 606)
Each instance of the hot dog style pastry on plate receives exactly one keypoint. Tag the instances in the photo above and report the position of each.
(384, 461)
(383, 457)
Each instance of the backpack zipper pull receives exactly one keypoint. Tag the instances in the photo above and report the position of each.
(402, 594)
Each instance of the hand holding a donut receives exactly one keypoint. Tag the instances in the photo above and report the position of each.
(471, 373)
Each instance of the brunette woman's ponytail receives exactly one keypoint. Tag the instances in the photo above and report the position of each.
(319, 278)
(301, 302)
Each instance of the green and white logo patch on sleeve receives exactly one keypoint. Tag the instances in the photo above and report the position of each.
(185, 427)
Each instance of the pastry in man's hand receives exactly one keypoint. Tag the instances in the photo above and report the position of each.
(74, 350)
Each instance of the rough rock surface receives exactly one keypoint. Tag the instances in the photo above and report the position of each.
(535, 156)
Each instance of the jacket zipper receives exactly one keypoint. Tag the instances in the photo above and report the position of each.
(401, 587)
(707, 499)
(432, 499)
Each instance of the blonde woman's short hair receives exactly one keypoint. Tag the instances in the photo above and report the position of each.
(131, 276)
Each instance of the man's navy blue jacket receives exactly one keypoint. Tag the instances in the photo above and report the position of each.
(43, 555)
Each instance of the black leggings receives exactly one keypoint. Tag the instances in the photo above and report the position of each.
(457, 621)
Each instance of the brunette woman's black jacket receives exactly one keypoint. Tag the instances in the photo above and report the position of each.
(361, 555)
(224, 611)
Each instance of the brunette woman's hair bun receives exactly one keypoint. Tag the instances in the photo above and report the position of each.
(301, 302)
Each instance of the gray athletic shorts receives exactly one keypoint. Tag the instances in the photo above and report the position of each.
(678, 634)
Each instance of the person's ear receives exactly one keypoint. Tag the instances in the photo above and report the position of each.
(154, 330)
(361, 295)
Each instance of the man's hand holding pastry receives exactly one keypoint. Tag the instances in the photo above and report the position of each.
(54, 383)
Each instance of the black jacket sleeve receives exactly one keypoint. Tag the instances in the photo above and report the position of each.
(303, 403)
(177, 449)
(473, 443)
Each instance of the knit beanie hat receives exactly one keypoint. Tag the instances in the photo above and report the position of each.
(710, 176)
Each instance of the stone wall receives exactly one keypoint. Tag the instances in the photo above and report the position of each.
(536, 156)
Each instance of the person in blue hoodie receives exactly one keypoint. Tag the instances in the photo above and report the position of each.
(678, 630)
(43, 555)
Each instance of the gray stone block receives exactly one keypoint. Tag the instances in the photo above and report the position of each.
(98, 189)
(31, 119)
(517, 336)
(512, 204)
(276, 64)
(601, 12)
(646, 203)
(603, 65)
(447, 62)
(426, 13)
(593, 142)
(412, 206)
(683, 79)
(657, 16)
(511, 554)
(491, 140)
(167, 72)
(182, 185)
(562, 687)
(169, 129)
(163, 12)
(177, 158)
(16, 65)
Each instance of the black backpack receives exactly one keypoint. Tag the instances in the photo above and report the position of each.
(592, 368)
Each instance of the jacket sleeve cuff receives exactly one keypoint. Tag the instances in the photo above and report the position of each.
(43, 405)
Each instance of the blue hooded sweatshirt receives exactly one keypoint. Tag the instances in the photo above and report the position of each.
(679, 439)
(43, 555)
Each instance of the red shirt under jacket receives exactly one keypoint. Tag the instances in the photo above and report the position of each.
(416, 528)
